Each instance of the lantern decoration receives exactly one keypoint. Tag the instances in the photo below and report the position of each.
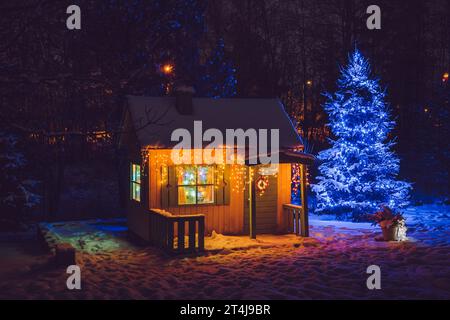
(401, 231)
(261, 184)
(445, 77)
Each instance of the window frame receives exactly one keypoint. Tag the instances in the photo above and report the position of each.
(197, 185)
(134, 183)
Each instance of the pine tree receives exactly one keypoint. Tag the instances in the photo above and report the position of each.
(437, 149)
(219, 80)
(358, 172)
(17, 195)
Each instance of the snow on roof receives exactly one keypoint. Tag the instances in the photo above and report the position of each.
(221, 114)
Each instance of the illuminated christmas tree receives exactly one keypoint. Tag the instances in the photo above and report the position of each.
(359, 171)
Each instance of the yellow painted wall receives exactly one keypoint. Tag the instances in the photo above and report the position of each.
(224, 219)
(284, 194)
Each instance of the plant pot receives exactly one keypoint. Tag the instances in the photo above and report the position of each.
(390, 233)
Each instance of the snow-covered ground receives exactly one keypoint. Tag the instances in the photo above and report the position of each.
(330, 265)
(429, 224)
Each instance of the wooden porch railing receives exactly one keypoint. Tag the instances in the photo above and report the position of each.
(296, 219)
(163, 225)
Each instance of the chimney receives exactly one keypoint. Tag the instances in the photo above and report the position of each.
(183, 99)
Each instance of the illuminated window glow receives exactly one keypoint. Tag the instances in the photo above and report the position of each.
(135, 186)
(195, 184)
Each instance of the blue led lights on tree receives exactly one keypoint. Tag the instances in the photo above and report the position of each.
(220, 78)
(358, 173)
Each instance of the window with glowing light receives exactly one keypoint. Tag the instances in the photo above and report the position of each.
(195, 184)
(135, 188)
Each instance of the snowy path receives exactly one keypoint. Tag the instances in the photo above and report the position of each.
(332, 265)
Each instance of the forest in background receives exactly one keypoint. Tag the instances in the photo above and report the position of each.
(61, 91)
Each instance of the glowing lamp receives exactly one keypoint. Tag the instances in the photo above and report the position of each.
(167, 68)
(309, 83)
(445, 77)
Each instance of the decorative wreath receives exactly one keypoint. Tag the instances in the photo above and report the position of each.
(261, 184)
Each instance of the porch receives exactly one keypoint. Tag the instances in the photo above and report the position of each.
(182, 234)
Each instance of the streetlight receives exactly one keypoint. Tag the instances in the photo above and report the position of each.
(167, 68)
(445, 77)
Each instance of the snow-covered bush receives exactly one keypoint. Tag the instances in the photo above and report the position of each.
(16, 195)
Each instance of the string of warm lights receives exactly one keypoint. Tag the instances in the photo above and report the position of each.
(237, 177)
(220, 170)
(295, 179)
(238, 172)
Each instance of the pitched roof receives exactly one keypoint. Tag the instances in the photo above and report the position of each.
(221, 114)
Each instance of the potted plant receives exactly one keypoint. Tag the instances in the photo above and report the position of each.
(392, 224)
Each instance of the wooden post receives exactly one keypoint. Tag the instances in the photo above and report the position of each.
(304, 211)
(161, 232)
(181, 235)
(151, 225)
(170, 234)
(192, 234)
(159, 236)
(201, 234)
(291, 220)
(252, 205)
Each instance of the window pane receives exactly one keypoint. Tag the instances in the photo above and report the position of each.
(205, 175)
(205, 194)
(136, 191)
(186, 176)
(136, 173)
(186, 195)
